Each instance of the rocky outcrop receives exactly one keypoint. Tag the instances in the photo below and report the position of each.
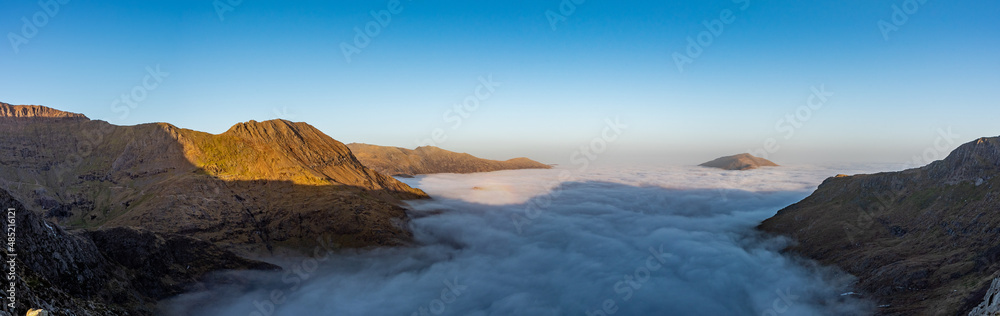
(122, 271)
(430, 159)
(164, 265)
(37, 312)
(739, 162)
(991, 302)
(257, 186)
(26, 111)
(921, 241)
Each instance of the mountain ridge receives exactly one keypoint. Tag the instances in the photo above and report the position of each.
(430, 159)
(922, 241)
(25, 111)
(254, 187)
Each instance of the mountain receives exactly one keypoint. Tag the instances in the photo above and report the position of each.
(7, 110)
(739, 162)
(256, 186)
(430, 159)
(118, 271)
(921, 241)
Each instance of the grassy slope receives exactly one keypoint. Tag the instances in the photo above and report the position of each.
(925, 241)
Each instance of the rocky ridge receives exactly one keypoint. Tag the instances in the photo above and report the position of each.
(257, 186)
(120, 271)
(7, 110)
(921, 241)
(430, 159)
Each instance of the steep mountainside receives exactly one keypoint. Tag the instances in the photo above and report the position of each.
(739, 162)
(121, 271)
(430, 159)
(258, 185)
(282, 150)
(922, 241)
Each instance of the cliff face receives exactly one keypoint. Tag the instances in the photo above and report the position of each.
(256, 186)
(991, 302)
(923, 241)
(739, 162)
(122, 271)
(7, 110)
(429, 159)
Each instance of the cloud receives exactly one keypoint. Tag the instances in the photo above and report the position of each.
(676, 240)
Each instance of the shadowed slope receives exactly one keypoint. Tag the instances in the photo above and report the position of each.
(121, 271)
(258, 185)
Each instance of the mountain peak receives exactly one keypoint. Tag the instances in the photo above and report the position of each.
(25, 111)
(285, 150)
(985, 146)
(742, 161)
(252, 127)
(978, 159)
(257, 185)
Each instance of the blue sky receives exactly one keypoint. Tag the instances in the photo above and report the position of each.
(557, 85)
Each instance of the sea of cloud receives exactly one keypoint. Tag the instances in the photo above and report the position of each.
(605, 241)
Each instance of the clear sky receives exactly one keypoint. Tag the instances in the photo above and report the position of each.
(562, 69)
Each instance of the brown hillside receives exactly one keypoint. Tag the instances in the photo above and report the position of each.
(258, 185)
(924, 241)
(430, 159)
(739, 162)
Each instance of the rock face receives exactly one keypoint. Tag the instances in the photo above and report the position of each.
(7, 110)
(991, 302)
(254, 187)
(739, 162)
(923, 241)
(122, 271)
(430, 159)
(37, 312)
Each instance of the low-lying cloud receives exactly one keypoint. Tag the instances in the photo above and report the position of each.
(674, 241)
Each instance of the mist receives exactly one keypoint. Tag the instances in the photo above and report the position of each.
(667, 241)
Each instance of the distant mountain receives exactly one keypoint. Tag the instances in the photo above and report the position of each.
(258, 185)
(739, 162)
(923, 241)
(430, 159)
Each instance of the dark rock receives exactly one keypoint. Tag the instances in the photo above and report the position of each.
(121, 271)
